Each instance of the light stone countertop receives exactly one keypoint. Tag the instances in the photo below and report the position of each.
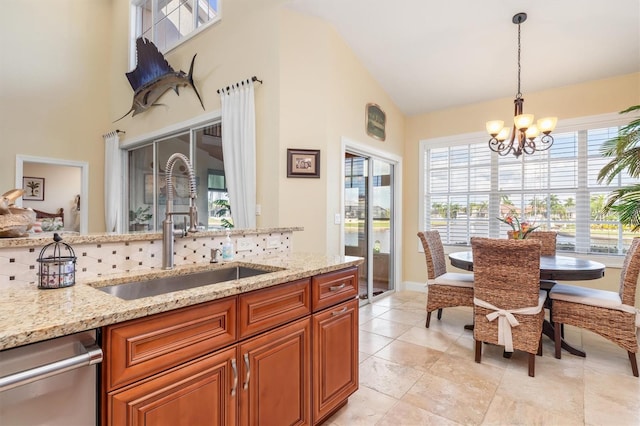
(28, 314)
(40, 239)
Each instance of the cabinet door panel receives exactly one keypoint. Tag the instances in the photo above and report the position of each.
(196, 394)
(277, 365)
(335, 354)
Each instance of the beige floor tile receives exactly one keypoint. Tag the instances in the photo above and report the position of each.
(429, 375)
(428, 338)
(404, 414)
(391, 301)
(365, 408)
(385, 327)
(388, 377)
(410, 355)
(462, 402)
(611, 399)
(368, 312)
(405, 316)
(371, 343)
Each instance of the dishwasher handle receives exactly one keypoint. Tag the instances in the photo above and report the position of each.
(92, 355)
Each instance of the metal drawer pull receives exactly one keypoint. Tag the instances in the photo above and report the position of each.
(340, 312)
(235, 376)
(337, 287)
(246, 378)
(93, 355)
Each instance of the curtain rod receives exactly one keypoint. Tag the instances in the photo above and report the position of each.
(254, 78)
(115, 131)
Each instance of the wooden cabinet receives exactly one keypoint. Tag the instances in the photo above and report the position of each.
(283, 355)
(198, 393)
(335, 357)
(275, 370)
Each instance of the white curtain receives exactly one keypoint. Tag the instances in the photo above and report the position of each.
(239, 151)
(112, 183)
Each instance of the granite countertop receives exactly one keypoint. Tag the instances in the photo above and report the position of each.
(28, 314)
(40, 239)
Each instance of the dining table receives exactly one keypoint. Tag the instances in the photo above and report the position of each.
(552, 268)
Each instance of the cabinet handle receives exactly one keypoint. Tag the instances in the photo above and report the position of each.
(337, 287)
(340, 312)
(246, 378)
(235, 376)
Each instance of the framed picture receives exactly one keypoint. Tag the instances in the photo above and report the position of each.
(375, 121)
(33, 188)
(303, 163)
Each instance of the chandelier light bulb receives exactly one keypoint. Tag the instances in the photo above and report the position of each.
(523, 121)
(532, 132)
(503, 135)
(547, 124)
(494, 127)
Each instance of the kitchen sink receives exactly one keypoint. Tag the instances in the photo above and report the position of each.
(154, 287)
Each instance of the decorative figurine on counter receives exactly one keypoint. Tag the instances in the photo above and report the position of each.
(153, 76)
(14, 221)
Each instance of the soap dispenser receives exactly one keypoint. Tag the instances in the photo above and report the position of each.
(227, 249)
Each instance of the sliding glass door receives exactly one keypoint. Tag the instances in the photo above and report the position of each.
(369, 221)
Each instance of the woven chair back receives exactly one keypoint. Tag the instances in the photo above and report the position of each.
(433, 253)
(506, 272)
(629, 273)
(547, 238)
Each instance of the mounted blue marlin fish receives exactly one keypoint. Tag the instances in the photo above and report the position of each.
(153, 76)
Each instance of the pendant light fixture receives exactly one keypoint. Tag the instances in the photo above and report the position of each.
(525, 136)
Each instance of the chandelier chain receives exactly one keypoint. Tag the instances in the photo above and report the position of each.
(519, 94)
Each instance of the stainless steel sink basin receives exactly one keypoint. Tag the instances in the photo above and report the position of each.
(154, 287)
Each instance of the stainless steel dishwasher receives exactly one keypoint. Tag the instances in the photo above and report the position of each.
(54, 382)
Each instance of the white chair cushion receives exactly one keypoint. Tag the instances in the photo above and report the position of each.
(589, 296)
(454, 279)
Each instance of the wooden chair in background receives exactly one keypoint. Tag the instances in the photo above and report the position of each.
(444, 289)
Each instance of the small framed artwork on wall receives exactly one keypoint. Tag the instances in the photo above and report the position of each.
(303, 163)
(375, 122)
(33, 188)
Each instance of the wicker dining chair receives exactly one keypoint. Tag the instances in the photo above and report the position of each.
(507, 287)
(444, 289)
(608, 313)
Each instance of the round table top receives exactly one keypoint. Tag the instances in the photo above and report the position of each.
(551, 267)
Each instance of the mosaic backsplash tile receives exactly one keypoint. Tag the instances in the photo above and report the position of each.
(103, 257)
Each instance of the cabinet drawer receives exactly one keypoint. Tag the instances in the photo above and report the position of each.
(264, 309)
(139, 348)
(334, 287)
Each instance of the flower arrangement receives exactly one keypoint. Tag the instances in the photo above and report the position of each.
(520, 229)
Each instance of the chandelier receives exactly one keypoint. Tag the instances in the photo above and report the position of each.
(525, 136)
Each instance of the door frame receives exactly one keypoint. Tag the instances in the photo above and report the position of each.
(84, 182)
(367, 151)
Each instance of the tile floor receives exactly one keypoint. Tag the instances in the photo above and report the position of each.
(411, 375)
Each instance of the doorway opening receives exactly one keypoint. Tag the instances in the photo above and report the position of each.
(66, 185)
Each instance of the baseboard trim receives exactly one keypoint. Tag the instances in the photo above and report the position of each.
(414, 286)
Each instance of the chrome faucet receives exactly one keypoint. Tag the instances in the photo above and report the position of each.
(168, 232)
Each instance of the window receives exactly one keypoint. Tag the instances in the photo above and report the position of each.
(465, 187)
(169, 22)
(146, 179)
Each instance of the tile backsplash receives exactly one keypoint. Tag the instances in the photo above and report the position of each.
(98, 258)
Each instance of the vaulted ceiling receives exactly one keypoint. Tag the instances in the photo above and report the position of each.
(431, 55)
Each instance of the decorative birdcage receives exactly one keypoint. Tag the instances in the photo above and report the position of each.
(57, 265)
